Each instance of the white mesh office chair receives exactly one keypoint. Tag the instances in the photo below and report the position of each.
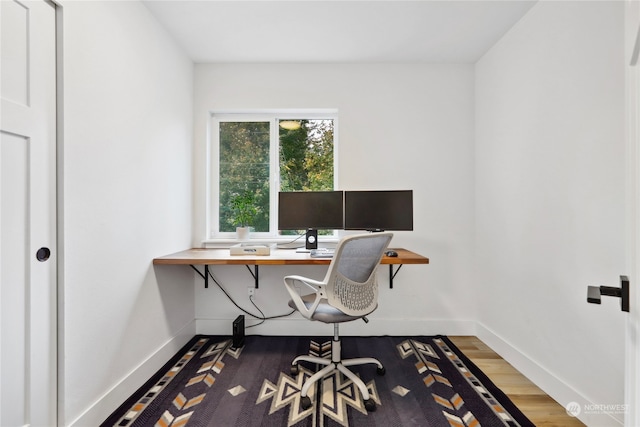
(348, 292)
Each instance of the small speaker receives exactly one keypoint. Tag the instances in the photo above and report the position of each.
(311, 239)
(238, 332)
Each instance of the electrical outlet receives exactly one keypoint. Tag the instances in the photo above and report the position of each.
(251, 291)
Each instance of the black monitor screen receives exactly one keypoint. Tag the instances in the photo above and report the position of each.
(378, 210)
(303, 210)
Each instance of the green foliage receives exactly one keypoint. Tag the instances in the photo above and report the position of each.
(244, 169)
(306, 164)
(244, 209)
(306, 157)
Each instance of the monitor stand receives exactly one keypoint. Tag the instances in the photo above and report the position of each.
(311, 239)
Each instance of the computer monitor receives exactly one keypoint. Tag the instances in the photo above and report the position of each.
(378, 210)
(310, 211)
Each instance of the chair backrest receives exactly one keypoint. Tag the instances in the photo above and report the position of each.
(351, 280)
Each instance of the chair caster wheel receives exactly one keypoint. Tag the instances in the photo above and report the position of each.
(381, 371)
(370, 405)
(294, 370)
(305, 402)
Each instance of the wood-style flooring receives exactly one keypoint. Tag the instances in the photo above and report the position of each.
(541, 409)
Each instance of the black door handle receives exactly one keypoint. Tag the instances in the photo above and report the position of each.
(594, 293)
(43, 254)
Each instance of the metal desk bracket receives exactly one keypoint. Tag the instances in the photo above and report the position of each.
(254, 273)
(392, 274)
(256, 277)
(205, 276)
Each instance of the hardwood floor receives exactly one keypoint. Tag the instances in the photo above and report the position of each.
(541, 409)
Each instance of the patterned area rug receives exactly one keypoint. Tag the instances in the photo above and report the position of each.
(428, 382)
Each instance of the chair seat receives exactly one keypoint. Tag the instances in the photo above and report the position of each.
(325, 312)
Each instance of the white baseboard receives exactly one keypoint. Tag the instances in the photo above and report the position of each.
(121, 391)
(375, 327)
(561, 392)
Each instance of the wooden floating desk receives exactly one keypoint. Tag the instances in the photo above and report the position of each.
(207, 257)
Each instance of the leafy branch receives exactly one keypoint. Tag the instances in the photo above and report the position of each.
(244, 208)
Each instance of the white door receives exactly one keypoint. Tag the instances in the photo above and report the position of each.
(27, 213)
(632, 360)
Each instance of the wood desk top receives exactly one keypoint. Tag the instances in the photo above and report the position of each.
(205, 256)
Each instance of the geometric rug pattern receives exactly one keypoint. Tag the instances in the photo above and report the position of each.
(428, 382)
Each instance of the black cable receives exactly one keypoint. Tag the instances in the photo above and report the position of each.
(284, 245)
(258, 308)
(262, 319)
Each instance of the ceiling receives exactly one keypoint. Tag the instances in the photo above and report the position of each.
(337, 30)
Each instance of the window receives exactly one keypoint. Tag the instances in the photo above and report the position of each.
(253, 156)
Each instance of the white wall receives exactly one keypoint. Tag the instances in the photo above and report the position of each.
(127, 197)
(550, 213)
(401, 126)
(544, 203)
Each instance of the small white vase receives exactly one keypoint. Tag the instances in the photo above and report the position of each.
(242, 233)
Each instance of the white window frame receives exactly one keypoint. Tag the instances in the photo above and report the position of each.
(213, 234)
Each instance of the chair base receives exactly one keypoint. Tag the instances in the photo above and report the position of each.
(336, 364)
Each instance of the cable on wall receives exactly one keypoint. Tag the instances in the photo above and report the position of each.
(262, 318)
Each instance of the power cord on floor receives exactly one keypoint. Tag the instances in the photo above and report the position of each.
(262, 318)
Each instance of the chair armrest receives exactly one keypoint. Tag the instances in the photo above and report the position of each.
(317, 288)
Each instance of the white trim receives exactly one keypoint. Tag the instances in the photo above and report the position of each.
(122, 390)
(297, 326)
(546, 380)
(285, 113)
(207, 176)
(632, 343)
(60, 217)
(274, 176)
(282, 242)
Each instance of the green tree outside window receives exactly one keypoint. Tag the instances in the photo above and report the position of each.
(305, 151)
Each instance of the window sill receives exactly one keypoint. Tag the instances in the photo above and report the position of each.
(286, 242)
